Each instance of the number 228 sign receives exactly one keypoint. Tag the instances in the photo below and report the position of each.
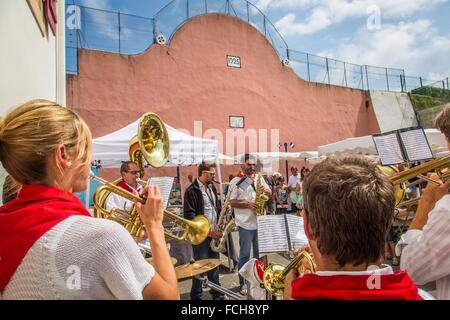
(233, 61)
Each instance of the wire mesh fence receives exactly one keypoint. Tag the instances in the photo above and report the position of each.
(122, 33)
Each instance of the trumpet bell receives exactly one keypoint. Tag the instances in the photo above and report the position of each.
(153, 140)
(273, 279)
(199, 230)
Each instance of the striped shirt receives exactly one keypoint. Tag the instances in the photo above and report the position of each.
(425, 254)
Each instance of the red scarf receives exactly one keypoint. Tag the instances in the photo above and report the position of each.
(125, 186)
(24, 220)
(396, 286)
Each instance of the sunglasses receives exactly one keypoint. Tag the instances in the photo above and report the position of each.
(210, 172)
(134, 172)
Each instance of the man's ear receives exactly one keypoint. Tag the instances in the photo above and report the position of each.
(307, 225)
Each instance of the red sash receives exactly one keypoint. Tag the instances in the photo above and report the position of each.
(125, 186)
(24, 220)
(396, 286)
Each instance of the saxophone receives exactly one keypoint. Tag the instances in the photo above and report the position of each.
(261, 197)
(225, 224)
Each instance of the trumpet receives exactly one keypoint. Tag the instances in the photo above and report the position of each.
(195, 231)
(275, 274)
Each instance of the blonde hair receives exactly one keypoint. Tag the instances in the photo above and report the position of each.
(31, 132)
(442, 121)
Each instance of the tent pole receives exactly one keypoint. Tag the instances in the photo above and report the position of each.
(219, 178)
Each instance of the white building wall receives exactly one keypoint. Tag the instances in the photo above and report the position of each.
(393, 110)
(31, 66)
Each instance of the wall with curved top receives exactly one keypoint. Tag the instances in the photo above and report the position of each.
(189, 80)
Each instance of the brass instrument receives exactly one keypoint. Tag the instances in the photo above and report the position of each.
(195, 231)
(440, 166)
(225, 224)
(135, 154)
(261, 197)
(275, 274)
(152, 144)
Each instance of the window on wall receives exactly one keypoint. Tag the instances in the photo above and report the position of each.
(236, 122)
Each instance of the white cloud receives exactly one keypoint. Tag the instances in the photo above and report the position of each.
(323, 13)
(416, 47)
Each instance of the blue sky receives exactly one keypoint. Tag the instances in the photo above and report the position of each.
(409, 34)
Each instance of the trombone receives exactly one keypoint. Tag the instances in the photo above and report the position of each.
(440, 166)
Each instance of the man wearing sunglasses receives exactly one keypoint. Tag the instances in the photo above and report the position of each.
(130, 173)
(242, 200)
(201, 198)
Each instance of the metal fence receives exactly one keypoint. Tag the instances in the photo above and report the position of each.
(121, 33)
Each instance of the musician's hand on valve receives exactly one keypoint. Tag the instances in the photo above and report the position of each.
(141, 237)
(296, 252)
(151, 212)
(252, 205)
(291, 276)
(433, 192)
(215, 234)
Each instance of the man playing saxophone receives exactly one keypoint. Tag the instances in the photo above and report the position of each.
(243, 200)
(200, 198)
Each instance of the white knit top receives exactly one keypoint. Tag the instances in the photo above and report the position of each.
(81, 258)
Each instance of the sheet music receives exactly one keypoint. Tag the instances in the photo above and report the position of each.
(296, 231)
(165, 186)
(416, 145)
(389, 148)
(272, 233)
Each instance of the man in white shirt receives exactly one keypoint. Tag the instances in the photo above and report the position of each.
(425, 247)
(130, 173)
(242, 199)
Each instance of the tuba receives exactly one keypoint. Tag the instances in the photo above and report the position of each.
(225, 224)
(275, 274)
(261, 197)
(153, 145)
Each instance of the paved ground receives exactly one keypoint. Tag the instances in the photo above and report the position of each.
(230, 280)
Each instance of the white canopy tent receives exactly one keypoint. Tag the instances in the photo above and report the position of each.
(365, 146)
(269, 160)
(112, 149)
(265, 156)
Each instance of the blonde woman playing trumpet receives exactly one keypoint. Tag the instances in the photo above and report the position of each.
(50, 247)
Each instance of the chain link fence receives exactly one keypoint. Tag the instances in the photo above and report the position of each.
(121, 33)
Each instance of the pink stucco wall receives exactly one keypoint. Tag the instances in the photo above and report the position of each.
(189, 80)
